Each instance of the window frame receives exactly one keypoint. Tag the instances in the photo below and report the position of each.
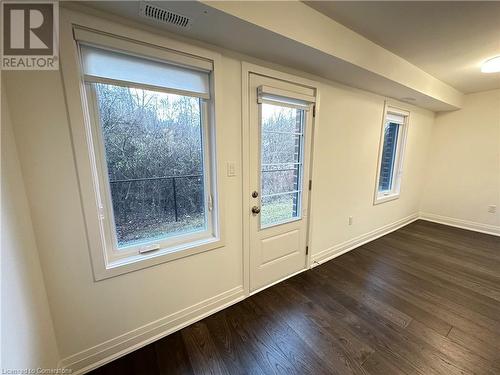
(115, 255)
(304, 104)
(84, 123)
(398, 166)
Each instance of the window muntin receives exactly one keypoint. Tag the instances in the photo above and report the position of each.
(391, 155)
(152, 148)
(282, 144)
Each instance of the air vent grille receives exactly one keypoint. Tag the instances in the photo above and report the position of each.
(166, 16)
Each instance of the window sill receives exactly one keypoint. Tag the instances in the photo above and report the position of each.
(140, 261)
(385, 198)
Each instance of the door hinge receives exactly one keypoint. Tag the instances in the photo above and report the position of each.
(310, 184)
(210, 203)
(101, 212)
(307, 250)
(314, 110)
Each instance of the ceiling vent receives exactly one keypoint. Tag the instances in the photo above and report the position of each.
(164, 16)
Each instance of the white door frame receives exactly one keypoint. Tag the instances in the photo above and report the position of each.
(246, 69)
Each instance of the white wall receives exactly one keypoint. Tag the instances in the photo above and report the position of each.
(28, 339)
(88, 313)
(345, 168)
(85, 312)
(463, 176)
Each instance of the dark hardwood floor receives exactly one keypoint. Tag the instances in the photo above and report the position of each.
(422, 300)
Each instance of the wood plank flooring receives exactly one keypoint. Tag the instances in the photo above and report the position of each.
(422, 300)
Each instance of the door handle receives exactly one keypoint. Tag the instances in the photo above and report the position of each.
(255, 210)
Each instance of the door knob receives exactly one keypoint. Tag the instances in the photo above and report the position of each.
(255, 210)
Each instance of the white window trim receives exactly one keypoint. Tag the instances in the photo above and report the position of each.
(175, 243)
(395, 192)
(290, 99)
(104, 263)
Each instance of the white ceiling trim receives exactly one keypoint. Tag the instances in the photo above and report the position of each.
(307, 26)
(292, 35)
(448, 39)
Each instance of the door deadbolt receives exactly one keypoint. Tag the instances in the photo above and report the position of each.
(255, 210)
(255, 194)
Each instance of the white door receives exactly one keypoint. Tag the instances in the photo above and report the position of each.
(280, 118)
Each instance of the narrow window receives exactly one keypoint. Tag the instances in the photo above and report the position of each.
(390, 167)
(282, 140)
(151, 135)
(282, 144)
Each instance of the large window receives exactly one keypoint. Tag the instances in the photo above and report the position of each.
(153, 148)
(150, 129)
(390, 168)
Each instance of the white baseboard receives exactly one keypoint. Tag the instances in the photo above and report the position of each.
(460, 223)
(107, 351)
(344, 247)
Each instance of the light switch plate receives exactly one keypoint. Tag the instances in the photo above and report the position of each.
(231, 168)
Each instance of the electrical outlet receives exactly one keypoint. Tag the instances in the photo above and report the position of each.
(492, 209)
(351, 220)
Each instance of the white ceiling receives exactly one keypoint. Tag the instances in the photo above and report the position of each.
(447, 39)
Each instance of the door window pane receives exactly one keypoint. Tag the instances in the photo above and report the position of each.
(279, 208)
(279, 178)
(280, 147)
(282, 143)
(154, 157)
